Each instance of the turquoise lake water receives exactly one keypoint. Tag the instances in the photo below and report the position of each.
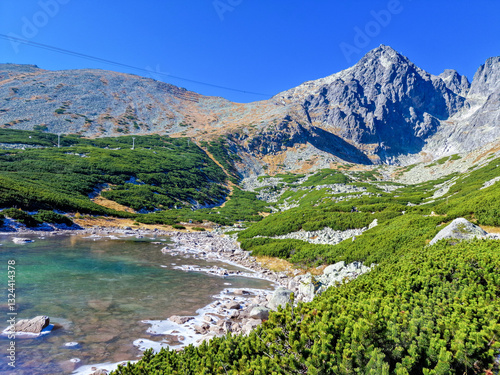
(97, 292)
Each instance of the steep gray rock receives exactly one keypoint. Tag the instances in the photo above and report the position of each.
(459, 229)
(384, 105)
(487, 79)
(478, 123)
(455, 82)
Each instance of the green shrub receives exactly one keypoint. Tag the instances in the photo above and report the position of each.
(177, 226)
(199, 229)
(51, 217)
(21, 217)
(164, 172)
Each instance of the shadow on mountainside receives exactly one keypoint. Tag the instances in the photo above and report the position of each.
(336, 146)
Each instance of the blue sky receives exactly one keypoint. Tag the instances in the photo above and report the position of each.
(250, 45)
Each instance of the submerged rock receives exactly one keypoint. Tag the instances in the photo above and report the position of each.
(460, 229)
(22, 240)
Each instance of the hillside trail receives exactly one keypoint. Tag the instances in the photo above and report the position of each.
(230, 185)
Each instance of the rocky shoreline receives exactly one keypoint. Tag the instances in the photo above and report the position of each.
(53, 230)
(241, 310)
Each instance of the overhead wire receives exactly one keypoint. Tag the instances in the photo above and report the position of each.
(106, 61)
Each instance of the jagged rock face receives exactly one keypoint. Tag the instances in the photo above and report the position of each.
(478, 123)
(384, 104)
(455, 82)
(487, 79)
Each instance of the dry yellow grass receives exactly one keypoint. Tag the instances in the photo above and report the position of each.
(492, 150)
(101, 201)
(230, 185)
(490, 229)
(281, 265)
(275, 264)
(88, 222)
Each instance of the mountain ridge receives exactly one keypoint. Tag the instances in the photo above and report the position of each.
(383, 109)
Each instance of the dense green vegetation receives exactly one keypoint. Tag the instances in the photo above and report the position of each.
(221, 152)
(316, 210)
(243, 206)
(427, 311)
(51, 217)
(34, 138)
(164, 176)
(423, 310)
(21, 217)
(308, 219)
(466, 198)
(159, 173)
(388, 238)
(31, 221)
(327, 177)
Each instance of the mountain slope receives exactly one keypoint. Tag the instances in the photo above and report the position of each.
(384, 105)
(384, 109)
(479, 122)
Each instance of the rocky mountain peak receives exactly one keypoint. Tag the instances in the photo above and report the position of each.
(384, 104)
(455, 82)
(384, 55)
(487, 78)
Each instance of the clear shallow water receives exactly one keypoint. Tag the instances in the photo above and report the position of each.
(97, 292)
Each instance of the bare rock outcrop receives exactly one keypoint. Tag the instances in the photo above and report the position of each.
(459, 229)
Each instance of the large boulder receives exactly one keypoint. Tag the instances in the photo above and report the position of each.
(460, 229)
(281, 297)
(35, 325)
(334, 268)
(259, 312)
(308, 287)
